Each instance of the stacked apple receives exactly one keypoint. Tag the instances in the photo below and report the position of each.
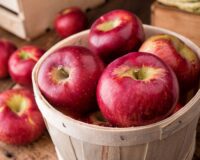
(140, 84)
(20, 119)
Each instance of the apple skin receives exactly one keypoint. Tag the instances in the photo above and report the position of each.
(137, 89)
(21, 120)
(126, 35)
(177, 108)
(21, 64)
(70, 21)
(6, 49)
(177, 55)
(68, 79)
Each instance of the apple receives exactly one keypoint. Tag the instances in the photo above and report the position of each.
(21, 121)
(6, 49)
(177, 108)
(183, 60)
(115, 34)
(69, 21)
(137, 89)
(97, 118)
(21, 64)
(68, 79)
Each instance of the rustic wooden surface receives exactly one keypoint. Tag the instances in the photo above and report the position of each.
(43, 148)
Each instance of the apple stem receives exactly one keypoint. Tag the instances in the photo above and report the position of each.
(63, 73)
(60, 74)
(138, 74)
(109, 25)
(143, 73)
(18, 104)
(26, 55)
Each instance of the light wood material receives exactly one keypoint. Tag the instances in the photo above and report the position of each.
(171, 138)
(11, 4)
(171, 18)
(30, 18)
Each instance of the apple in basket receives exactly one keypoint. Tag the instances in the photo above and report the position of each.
(68, 79)
(69, 21)
(183, 60)
(6, 49)
(177, 108)
(21, 120)
(137, 89)
(21, 64)
(97, 119)
(115, 33)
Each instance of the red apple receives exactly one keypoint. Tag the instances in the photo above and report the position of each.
(183, 60)
(177, 108)
(97, 119)
(68, 78)
(70, 21)
(21, 64)
(21, 121)
(137, 89)
(6, 49)
(115, 34)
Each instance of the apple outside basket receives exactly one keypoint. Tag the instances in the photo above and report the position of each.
(169, 139)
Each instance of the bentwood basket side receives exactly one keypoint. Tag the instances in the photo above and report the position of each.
(170, 139)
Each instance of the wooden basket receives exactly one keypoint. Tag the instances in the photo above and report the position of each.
(170, 139)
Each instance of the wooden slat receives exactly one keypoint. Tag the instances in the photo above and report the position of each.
(63, 143)
(77, 148)
(112, 154)
(31, 10)
(176, 145)
(134, 153)
(97, 152)
(90, 151)
(12, 22)
(11, 4)
(187, 141)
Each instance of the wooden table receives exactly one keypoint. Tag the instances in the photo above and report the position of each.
(43, 148)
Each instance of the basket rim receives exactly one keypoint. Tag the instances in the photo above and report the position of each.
(156, 125)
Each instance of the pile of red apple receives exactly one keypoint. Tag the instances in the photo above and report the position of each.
(120, 80)
(20, 119)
